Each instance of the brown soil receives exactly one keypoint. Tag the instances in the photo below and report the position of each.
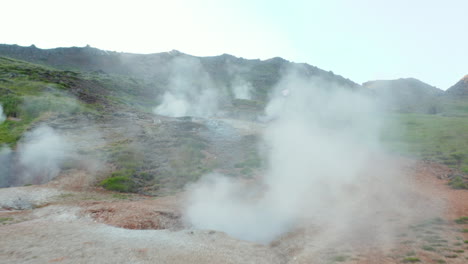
(432, 178)
(159, 213)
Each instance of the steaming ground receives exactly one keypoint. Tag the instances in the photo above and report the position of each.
(64, 226)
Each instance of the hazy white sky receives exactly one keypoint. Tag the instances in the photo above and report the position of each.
(359, 39)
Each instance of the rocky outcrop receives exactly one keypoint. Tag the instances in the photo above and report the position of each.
(460, 88)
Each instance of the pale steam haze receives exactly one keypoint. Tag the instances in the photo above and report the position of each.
(5, 156)
(387, 39)
(191, 92)
(242, 90)
(319, 145)
(41, 153)
(2, 115)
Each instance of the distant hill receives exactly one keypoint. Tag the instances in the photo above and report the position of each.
(460, 88)
(406, 94)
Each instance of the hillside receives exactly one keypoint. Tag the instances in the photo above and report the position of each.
(460, 88)
(109, 125)
(111, 97)
(108, 89)
(154, 68)
(407, 95)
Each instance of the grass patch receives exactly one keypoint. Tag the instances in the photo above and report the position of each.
(458, 183)
(3, 220)
(65, 195)
(462, 220)
(436, 221)
(120, 182)
(120, 196)
(185, 163)
(11, 131)
(246, 172)
(188, 166)
(29, 93)
(437, 138)
(411, 260)
(11, 104)
(33, 106)
(428, 248)
(435, 240)
(340, 258)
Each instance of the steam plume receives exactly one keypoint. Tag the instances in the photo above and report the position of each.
(2, 115)
(41, 153)
(240, 86)
(5, 163)
(242, 90)
(191, 91)
(319, 143)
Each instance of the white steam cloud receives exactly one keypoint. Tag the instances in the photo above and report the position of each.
(320, 145)
(44, 153)
(240, 87)
(242, 90)
(191, 91)
(36, 160)
(41, 153)
(2, 115)
(5, 163)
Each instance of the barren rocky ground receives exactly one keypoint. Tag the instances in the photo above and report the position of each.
(59, 223)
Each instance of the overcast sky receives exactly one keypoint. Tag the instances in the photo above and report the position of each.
(359, 39)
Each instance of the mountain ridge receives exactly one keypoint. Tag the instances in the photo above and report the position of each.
(403, 94)
(92, 59)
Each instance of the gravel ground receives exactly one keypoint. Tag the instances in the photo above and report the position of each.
(21, 198)
(60, 235)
